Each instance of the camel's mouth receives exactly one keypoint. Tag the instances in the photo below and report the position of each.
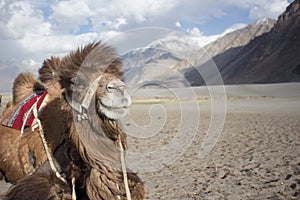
(112, 112)
(114, 104)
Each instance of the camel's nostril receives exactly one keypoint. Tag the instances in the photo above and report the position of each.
(115, 85)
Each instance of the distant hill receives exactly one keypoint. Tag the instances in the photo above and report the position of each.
(263, 52)
(168, 59)
(156, 62)
(272, 57)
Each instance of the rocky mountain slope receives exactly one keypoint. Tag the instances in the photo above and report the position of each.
(167, 59)
(240, 37)
(263, 52)
(156, 61)
(272, 57)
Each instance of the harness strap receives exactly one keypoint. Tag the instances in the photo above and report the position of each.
(128, 195)
(41, 132)
(82, 108)
(73, 189)
(27, 116)
(51, 162)
(90, 93)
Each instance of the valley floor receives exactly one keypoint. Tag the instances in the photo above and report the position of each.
(256, 155)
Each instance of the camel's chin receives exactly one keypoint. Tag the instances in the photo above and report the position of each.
(113, 113)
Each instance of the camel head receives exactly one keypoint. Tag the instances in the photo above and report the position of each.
(91, 76)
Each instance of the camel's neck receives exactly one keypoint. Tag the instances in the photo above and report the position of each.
(95, 139)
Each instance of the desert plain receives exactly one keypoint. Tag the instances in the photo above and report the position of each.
(207, 144)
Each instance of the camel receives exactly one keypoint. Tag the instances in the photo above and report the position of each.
(82, 156)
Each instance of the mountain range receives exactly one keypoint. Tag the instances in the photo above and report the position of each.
(264, 52)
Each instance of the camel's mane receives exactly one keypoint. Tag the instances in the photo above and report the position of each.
(92, 60)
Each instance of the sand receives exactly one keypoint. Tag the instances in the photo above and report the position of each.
(256, 155)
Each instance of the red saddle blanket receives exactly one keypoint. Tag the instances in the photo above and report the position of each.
(16, 119)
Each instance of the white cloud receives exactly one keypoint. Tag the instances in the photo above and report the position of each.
(116, 24)
(20, 19)
(202, 39)
(177, 24)
(271, 9)
(56, 44)
(71, 14)
(261, 8)
(30, 65)
(197, 36)
(234, 28)
(31, 31)
(7, 75)
(135, 12)
(194, 32)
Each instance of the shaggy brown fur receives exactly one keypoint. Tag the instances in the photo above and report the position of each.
(20, 156)
(40, 185)
(43, 184)
(90, 146)
(49, 76)
(24, 84)
(97, 137)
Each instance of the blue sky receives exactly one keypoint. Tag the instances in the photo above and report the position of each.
(31, 31)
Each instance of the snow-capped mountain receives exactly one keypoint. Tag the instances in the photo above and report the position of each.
(272, 57)
(167, 59)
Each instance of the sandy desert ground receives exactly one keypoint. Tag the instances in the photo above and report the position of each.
(256, 155)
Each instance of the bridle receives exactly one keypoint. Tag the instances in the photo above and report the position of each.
(82, 108)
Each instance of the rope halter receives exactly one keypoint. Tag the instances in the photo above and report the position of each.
(83, 107)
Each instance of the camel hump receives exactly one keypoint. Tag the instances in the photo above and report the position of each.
(24, 85)
(49, 76)
(49, 70)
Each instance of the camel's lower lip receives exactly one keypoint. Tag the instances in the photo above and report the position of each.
(113, 112)
(114, 107)
(117, 109)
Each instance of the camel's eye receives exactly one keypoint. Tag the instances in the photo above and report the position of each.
(76, 83)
